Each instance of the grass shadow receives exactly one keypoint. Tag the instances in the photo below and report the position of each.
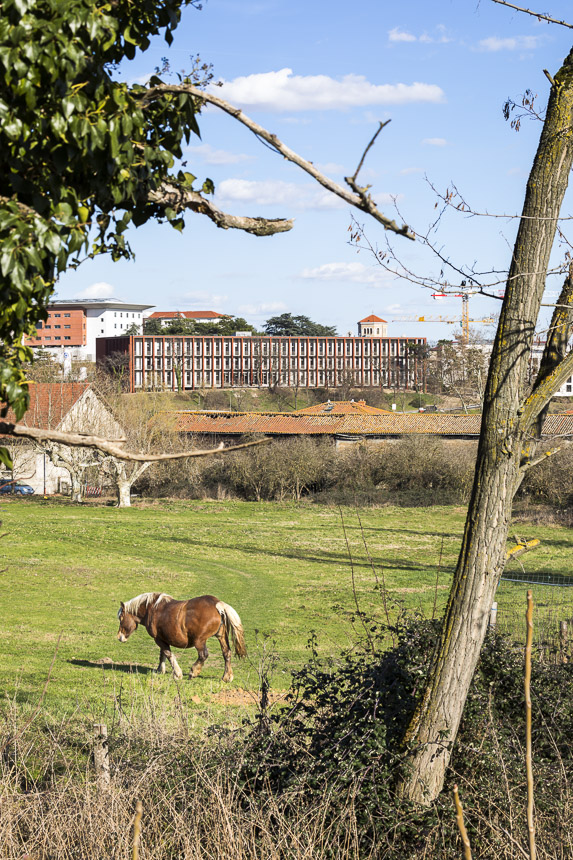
(129, 668)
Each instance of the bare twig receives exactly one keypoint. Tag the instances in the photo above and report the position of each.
(137, 829)
(36, 710)
(528, 762)
(371, 560)
(538, 15)
(85, 440)
(461, 825)
(360, 201)
(358, 610)
(365, 153)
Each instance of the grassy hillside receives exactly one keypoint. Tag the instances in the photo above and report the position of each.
(284, 567)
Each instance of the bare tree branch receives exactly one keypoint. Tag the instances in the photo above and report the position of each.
(360, 201)
(529, 464)
(538, 15)
(556, 365)
(86, 440)
(179, 198)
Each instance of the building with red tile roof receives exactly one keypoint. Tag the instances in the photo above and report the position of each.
(372, 325)
(50, 402)
(68, 406)
(347, 425)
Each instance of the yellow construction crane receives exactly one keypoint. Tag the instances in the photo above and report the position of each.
(464, 322)
(462, 293)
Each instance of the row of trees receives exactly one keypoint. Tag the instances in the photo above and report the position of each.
(286, 324)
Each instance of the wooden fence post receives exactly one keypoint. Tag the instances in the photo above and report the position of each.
(563, 641)
(101, 754)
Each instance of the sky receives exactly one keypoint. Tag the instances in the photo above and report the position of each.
(321, 76)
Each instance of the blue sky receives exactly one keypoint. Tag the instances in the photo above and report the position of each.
(321, 75)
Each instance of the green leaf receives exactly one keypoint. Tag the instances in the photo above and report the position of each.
(52, 242)
(6, 458)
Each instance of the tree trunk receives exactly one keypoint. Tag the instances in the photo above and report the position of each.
(123, 493)
(507, 419)
(75, 486)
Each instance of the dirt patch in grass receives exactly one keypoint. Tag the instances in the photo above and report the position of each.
(240, 697)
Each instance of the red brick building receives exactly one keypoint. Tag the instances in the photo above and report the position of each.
(65, 326)
(184, 362)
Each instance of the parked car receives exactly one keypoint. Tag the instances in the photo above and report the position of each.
(18, 489)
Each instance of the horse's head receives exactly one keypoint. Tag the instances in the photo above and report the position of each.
(127, 623)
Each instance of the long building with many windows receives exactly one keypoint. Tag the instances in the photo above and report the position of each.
(184, 362)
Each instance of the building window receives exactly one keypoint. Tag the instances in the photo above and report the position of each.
(67, 326)
(47, 337)
(57, 337)
(67, 315)
(57, 315)
(67, 337)
(57, 326)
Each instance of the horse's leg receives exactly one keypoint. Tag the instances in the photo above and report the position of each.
(226, 649)
(164, 647)
(162, 661)
(202, 654)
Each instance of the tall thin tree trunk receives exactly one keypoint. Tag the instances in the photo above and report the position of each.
(123, 493)
(75, 487)
(432, 731)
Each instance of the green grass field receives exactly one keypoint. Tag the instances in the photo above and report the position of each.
(284, 567)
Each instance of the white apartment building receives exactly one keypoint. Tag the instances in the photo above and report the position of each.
(73, 325)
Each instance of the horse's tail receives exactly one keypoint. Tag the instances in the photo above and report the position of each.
(233, 627)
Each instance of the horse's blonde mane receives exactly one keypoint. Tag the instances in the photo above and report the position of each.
(132, 606)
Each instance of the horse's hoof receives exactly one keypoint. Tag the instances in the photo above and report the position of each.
(228, 678)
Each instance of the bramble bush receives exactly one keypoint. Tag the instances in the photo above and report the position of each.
(340, 737)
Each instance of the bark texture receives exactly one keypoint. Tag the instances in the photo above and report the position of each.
(506, 445)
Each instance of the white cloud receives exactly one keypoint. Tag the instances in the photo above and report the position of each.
(406, 171)
(435, 141)
(277, 193)
(329, 167)
(199, 300)
(263, 308)
(282, 90)
(356, 273)
(100, 290)
(216, 156)
(510, 43)
(398, 35)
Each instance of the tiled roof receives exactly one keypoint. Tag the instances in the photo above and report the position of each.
(372, 318)
(332, 424)
(343, 407)
(188, 315)
(50, 402)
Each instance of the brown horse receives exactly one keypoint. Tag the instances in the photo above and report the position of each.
(184, 624)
